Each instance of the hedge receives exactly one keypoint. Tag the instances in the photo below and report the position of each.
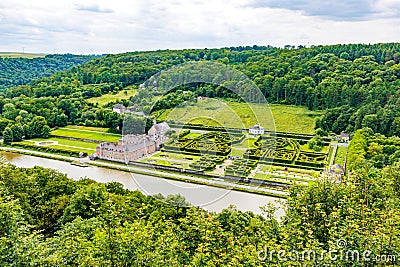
(66, 151)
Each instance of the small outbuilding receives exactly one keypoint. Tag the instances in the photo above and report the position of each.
(119, 108)
(345, 137)
(256, 129)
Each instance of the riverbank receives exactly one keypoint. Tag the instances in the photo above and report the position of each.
(210, 198)
(159, 174)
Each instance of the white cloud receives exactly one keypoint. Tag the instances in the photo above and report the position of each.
(119, 26)
(93, 8)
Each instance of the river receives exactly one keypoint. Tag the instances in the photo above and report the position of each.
(207, 197)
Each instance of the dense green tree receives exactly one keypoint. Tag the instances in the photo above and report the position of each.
(17, 132)
(4, 123)
(357, 150)
(316, 143)
(39, 128)
(8, 135)
(134, 125)
(61, 120)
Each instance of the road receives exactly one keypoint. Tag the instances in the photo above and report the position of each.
(340, 144)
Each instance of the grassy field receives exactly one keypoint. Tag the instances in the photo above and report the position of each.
(78, 146)
(340, 155)
(17, 55)
(87, 128)
(87, 134)
(212, 112)
(237, 152)
(107, 98)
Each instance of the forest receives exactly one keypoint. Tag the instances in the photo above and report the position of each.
(47, 219)
(356, 85)
(19, 71)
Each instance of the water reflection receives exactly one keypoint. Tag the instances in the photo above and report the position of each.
(210, 198)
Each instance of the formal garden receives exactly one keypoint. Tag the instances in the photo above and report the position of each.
(217, 153)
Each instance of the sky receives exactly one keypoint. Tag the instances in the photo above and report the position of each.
(115, 26)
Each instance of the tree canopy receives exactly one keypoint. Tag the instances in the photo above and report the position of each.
(357, 85)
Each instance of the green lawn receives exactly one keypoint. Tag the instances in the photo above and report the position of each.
(192, 135)
(237, 152)
(78, 146)
(212, 112)
(246, 143)
(107, 98)
(177, 156)
(85, 134)
(340, 155)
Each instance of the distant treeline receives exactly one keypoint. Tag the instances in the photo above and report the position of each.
(19, 71)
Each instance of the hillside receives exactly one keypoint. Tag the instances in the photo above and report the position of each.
(357, 85)
(47, 219)
(18, 69)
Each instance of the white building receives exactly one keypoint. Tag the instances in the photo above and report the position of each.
(345, 137)
(158, 131)
(119, 108)
(256, 129)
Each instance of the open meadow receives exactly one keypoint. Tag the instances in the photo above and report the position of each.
(110, 97)
(84, 133)
(211, 112)
(60, 143)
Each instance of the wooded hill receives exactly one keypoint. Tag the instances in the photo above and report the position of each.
(357, 84)
(16, 71)
(47, 219)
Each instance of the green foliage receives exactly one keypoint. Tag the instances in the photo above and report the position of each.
(39, 128)
(316, 143)
(357, 150)
(19, 71)
(136, 124)
(73, 152)
(85, 203)
(16, 240)
(85, 223)
(17, 132)
(8, 135)
(214, 143)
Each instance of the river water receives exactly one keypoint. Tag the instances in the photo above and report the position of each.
(207, 197)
